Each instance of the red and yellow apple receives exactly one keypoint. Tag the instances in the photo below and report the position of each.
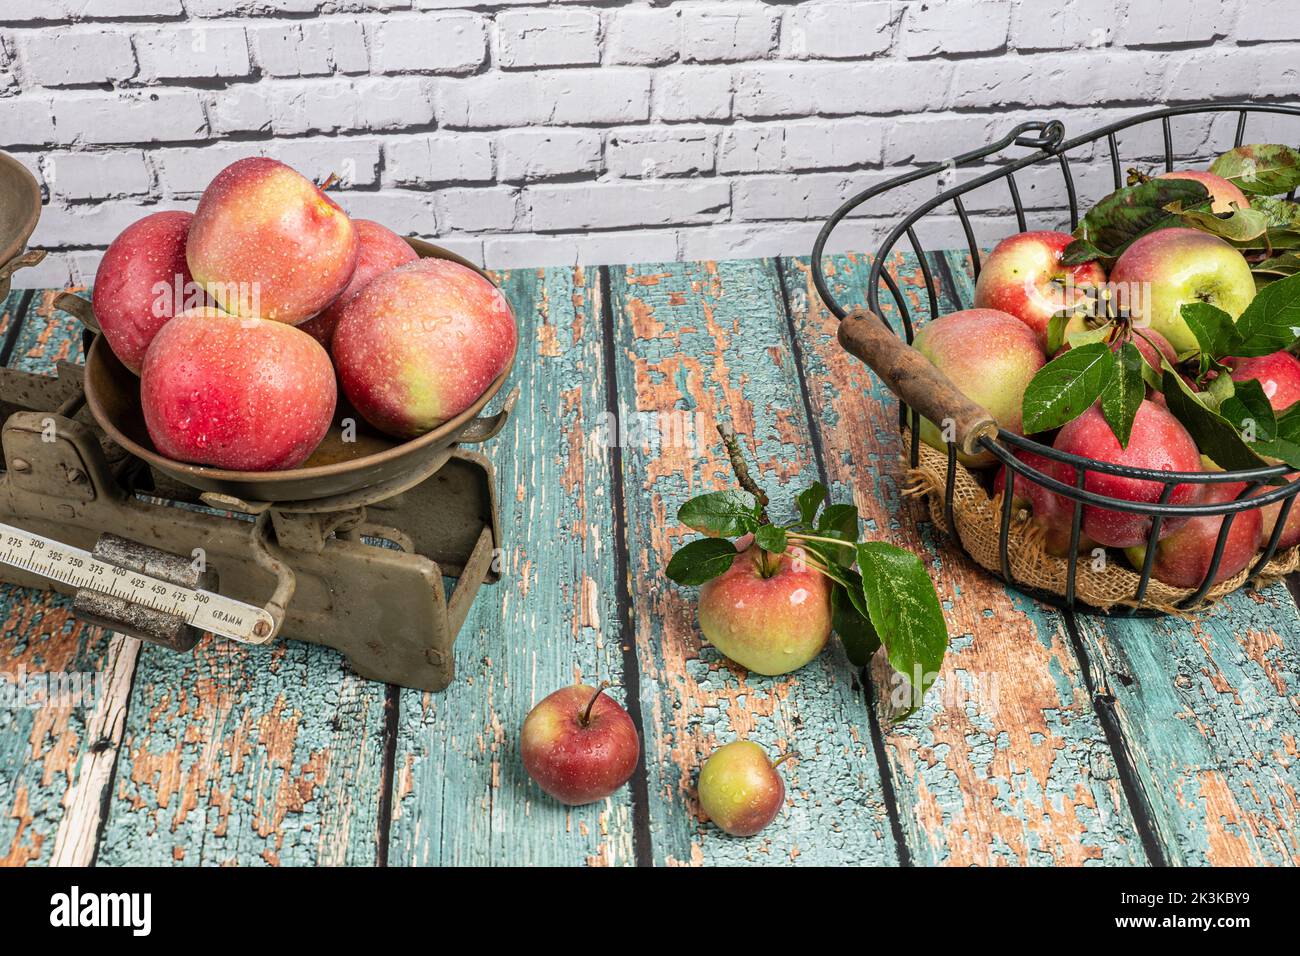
(579, 744)
(1159, 442)
(420, 343)
(267, 243)
(1183, 557)
(740, 789)
(768, 613)
(990, 357)
(1222, 193)
(1170, 268)
(1024, 276)
(380, 249)
(142, 281)
(243, 394)
(1278, 375)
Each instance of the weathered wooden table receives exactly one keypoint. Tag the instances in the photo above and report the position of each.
(1050, 738)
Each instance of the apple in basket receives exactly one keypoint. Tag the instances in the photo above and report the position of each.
(1024, 276)
(1222, 193)
(1170, 268)
(1159, 442)
(990, 356)
(141, 283)
(243, 394)
(1279, 376)
(267, 243)
(1052, 513)
(420, 343)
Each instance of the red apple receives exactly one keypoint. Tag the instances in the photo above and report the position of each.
(740, 789)
(420, 343)
(381, 249)
(1024, 276)
(267, 243)
(1222, 193)
(142, 281)
(990, 357)
(243, 394)
(1052, 512)
(1170, 268)
(579, 744)
(1278, 374)
(1159, 442)
(768, 613)
(1183, 557)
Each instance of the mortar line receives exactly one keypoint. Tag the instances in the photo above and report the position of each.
(642, 849)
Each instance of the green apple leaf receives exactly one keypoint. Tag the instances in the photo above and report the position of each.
(809, 501)
(770, 538)
(1250, 411)
(700, 561)
(1066, 386)
(1272, 320)
(1285, 444)
(1081, 251)
(727, 513)
(840, 522)
(1214, 329)
(1214, 435)
(1281, 213)
(1261, 169)
(856, 633)
(1101, 333)
(904, 609)
(1240, 225)
(1127, 214)
(1056, 331)
(1123, 396)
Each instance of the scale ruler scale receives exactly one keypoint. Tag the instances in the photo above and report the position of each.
(75, 568)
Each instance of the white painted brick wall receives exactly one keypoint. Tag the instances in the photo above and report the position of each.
(525, 132)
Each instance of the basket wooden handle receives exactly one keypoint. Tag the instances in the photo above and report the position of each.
(913, 379)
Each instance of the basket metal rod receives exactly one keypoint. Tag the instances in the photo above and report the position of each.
(1076, 528)
(950, 485)
(930, 289)
(1016, 203)
(914, 455)
(1004, 529)
(1153, 539)
(1241, 129)
(1168, 134)
(1275, 537)
(1069, 190)
(1114, 160)
(970, 235)
(1215, 560)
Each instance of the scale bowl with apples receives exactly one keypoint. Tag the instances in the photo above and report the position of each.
(352, 550)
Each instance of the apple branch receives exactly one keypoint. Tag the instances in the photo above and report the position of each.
(741, 467)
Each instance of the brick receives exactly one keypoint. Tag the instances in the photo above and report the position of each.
(406, 212)
(295, 107)
(548, 38)
(214, 51)
(529, 251)
(146, 116)
(541, 153)
(313, 48)
(1048, 80)
(39, 11)
(725, 34)
(791, 197)
(439, 43)
(1174, 22)
(836, 30)
(562, 97)
(651, 153)
(693, 94)
(93, 224)
(478, 210)
(27, 120)
(1086, 24)
(439, 158)
(646, 37)
(98, 175)
(955, 26)
(828, 144)
(72, 57)
(614, 205)
(928, 139)
(188, 170)
(1264, 21)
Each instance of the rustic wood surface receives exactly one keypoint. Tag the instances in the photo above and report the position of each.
(1050, 738)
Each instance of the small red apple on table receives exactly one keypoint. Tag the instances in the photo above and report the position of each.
(739, 788)
(579, 744)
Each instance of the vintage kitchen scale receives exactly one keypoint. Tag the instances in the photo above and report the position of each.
(350, 550)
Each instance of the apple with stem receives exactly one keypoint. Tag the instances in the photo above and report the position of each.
(1167, 269)
(740, 789)
(1025, 277)
(579, 744)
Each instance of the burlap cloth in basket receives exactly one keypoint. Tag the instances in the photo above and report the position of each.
(978, 518)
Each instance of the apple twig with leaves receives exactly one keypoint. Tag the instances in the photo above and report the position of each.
(887, 600)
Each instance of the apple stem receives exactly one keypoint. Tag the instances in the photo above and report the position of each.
(329, 181)
(784, 757)
(741, 468)
(586, 714)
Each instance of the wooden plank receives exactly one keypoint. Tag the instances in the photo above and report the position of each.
(44, 743)
(1006, 762)
(1210, 714)
(461, 795)
(711, 340)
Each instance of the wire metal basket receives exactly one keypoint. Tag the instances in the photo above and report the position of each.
(925, 392)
